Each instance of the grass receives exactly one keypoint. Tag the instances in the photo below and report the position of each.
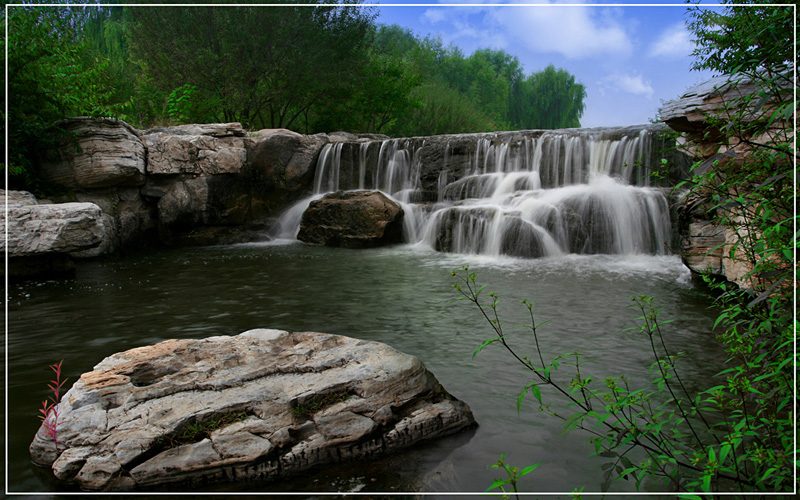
(197, 431)
(319, 403)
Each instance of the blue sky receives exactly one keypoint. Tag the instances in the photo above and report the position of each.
(630, 58)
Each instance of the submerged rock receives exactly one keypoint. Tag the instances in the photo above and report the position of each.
(259, 405)
(352, 219)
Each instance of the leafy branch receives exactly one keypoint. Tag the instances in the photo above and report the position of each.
(662, 432)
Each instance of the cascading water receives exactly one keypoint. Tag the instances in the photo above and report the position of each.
(526, 194)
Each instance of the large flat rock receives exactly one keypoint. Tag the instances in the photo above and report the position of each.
(259, 405)
(37, 229)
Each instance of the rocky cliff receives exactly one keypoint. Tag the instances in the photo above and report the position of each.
(187, 184)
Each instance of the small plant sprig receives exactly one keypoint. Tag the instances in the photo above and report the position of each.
(513, 476)
(49, 410)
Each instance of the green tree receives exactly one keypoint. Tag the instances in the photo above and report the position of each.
(263, 67)
(442, 110)
(548, 99)
(384, 91)
(53, 74)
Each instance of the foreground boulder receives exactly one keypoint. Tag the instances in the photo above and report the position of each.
(352, 219)
(259, 405)
(43, 238)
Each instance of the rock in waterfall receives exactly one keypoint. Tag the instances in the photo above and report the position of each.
(259, 405)
(352, 219)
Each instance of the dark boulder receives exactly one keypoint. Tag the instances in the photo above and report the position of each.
(352, 219)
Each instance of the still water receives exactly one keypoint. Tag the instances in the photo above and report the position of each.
(401, 296)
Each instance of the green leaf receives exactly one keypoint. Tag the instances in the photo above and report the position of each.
(706, 483)
(571, 422)
(536, 393)
(484, 344)
(723, 452)
(527, 470)
(520, 398)
(498, 483)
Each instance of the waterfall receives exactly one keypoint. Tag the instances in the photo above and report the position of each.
(524, 194)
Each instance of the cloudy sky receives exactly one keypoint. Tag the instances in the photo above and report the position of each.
(629, 58)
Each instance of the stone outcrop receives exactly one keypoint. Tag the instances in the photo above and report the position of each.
(282, 164)
(187, 184)
(702, 109)
(209, 129)
(352, 219)
(700, 242)
(259, 405)
(43, 238)
(96, 153)
(169, 154)
(699, 115)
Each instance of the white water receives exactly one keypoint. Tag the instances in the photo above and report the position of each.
(564, 192)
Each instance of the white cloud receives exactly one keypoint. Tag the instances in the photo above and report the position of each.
(576, 32)
(673, 42)
(458, 26)
(630, 84)
(434, 16)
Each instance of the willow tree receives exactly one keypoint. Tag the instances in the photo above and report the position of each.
(548, 99)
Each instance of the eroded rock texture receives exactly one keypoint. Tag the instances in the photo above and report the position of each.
(98, 153)
(267, 403)
(702, 115)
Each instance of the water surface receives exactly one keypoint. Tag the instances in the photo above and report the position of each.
(401, 296)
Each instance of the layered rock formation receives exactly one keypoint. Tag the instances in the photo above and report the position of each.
(97, 153)
(44, 238)
(701, 112)
(700, 115)
(352, 219)
(259, 405)
(189, 184)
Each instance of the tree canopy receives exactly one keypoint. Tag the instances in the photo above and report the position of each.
(309, 69)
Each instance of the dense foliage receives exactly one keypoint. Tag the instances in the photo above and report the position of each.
(749, 188)
(53, 74)
(320, 69)
(739, 434)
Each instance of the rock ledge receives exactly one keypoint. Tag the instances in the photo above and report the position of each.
(268, 403)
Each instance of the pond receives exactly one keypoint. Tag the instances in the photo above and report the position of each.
(399, 295)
